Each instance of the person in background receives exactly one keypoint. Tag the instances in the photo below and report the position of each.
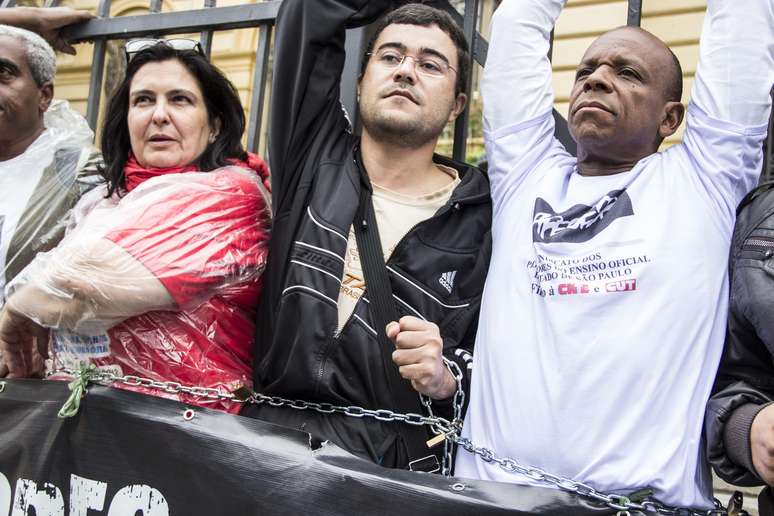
(604, 312)
(740, 415)
(160, 275)
(47, 161)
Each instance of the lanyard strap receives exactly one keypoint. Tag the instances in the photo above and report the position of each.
(401, 395)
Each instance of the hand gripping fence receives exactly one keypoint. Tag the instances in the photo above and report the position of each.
(445, 430)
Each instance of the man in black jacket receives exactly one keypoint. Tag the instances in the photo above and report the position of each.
(740, 417)
(319, 337)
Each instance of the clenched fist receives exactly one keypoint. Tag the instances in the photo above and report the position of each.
(419, 356)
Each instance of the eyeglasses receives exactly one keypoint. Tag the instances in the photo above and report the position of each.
(135, 46)
(429, 65)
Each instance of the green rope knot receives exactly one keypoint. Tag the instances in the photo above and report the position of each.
(641, 494)
(77, 391)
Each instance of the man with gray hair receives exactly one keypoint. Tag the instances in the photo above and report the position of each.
(27, 68)
(46, 162)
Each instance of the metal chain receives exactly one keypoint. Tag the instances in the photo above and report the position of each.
(438, 425)
(457, 403)
(618, 502)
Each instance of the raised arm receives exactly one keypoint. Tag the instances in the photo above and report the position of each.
(730, 103)
(736, 62)
(516, 86)
(517, 94)
(308, 61)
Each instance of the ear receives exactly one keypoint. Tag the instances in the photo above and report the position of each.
(459, 106)
(214, 129)
(673, 117)
(46, 96)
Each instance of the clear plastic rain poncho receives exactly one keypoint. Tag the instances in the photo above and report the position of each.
(162, 282)
(38, 187)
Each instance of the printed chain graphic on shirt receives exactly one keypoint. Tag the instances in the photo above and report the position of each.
(593, 273)
(580, 223)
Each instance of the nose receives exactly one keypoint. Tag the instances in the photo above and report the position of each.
(406, 71)
(160, 113)
(598, 80)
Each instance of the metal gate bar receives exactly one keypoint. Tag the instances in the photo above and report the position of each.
(205, 39)
(262, 15)
(470, 22)
(259, 82)
(634, 13)
(195, 20)
(97, 70)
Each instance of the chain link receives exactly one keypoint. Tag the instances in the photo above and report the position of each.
(617, 502)
(456, 423)
(438, 425)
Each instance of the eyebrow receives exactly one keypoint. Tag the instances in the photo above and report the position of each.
(618, 61)
(168, 93)
(181, 91)
(422, 51)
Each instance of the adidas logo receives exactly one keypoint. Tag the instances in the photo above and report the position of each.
(447, 280)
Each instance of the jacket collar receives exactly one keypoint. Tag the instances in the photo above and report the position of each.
(473, 187)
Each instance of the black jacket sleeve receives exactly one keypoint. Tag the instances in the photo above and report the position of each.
(745, 381)
(308, 61)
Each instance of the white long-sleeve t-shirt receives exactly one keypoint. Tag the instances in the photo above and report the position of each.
(604, 312)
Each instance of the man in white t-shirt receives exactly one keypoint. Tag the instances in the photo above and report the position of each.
(604, 311)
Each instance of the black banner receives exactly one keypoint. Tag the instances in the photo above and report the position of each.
(126, 454)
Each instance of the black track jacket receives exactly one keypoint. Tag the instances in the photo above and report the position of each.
(316, 186)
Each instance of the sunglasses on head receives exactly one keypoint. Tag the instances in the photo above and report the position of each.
(133, 47)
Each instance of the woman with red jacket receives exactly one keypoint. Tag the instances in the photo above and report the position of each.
(160, 273)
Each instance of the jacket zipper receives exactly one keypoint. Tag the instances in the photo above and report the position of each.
(759, 244)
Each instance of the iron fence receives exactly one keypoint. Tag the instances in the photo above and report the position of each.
(262, 15)
(211, 19)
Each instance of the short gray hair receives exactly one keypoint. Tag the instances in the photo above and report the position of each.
(40, 56)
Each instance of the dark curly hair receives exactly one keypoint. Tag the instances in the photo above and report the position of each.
(220, 98)
(425, 16)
